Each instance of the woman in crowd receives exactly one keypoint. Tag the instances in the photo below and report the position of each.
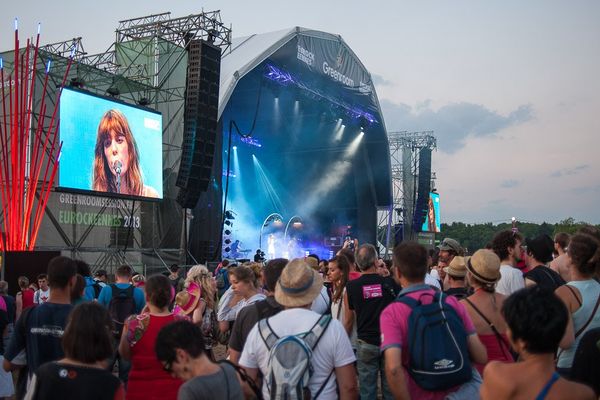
(197, 301)
(180, 349)
(339, 270)
(24, 298)
(147, 379)
(536, 321)
(581, 296)
(339, 274)
(87, 344)
(484, 305)
(116, 162)
(244, 291)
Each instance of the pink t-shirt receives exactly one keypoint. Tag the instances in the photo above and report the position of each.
(394, 333)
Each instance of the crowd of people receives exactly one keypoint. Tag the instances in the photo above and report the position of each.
(518, 319)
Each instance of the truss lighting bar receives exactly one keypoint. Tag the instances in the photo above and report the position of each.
(251, 141)
(286, 79)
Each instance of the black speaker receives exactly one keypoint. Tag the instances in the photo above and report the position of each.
(199, 121)
(423, 189)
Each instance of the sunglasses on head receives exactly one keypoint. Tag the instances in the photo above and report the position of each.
(168, 366)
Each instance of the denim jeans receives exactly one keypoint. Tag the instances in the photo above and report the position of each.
(370, 365)
(124, 367)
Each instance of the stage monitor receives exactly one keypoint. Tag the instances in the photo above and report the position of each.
(109, 147)
(432, 220)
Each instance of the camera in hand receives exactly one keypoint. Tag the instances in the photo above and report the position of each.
(259, 256)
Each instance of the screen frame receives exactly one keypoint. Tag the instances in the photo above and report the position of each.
(90, 192)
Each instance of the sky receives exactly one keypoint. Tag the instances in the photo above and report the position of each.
(510, 88)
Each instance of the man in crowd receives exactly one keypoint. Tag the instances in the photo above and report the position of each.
(249, 316)
(455, 278)
(122, 299)
(366, 297)
(539, 253)
(449, 248)
(560, 263)
(101, 278)
(410, 266)
(11, 308)
(39, 329)
(92, 289)
(332, 357)
(507, 246)
(43, 293)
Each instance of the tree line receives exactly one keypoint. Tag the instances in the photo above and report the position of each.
(477, 236)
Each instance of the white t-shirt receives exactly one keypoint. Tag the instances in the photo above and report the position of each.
(511, 280)
(430, 280)
(332, 351)
(321, 304)
(41, 296)
(226, 313)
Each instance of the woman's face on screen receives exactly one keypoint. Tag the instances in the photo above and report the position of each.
(116, 149)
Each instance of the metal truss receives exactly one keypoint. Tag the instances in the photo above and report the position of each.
(404, 159)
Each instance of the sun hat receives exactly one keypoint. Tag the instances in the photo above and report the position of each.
(298, 284)
(457, 267)
(484, 265)
(312, 262)
(187, 300)
(450, 244)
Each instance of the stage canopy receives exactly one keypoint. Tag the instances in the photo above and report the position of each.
(303, 137)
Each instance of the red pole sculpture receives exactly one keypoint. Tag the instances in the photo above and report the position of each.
(22, 210)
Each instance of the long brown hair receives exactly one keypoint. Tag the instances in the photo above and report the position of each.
(344, 265)
(104, 181)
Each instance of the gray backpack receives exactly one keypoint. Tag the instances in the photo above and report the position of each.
(289, 368)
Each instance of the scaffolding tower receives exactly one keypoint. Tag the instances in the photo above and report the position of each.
(404, 159)
(145, 65)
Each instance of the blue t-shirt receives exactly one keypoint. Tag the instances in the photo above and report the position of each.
(138, 296)
(89, 293)
(39, 331)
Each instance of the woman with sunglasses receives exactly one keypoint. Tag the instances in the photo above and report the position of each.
(147, 379)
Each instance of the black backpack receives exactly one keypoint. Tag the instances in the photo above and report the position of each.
(121, 306)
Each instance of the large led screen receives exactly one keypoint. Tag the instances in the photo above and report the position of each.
(432, 221)
(109, 147)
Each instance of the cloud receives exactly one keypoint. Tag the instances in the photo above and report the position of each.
(379, 80)
(569, 171)
(452, 123)
(510, 183)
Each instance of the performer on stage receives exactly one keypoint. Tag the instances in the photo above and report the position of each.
(271, 247)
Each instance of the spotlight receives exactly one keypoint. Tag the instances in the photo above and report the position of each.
(234, 147)
(144, 101)
(227, 241)
(228, 223)
(227, 232)
(229, 214)
(227, 249)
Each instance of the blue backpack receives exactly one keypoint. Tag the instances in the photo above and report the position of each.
(437, 344)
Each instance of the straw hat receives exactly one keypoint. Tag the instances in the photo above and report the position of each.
(298, 284)
(484, 265)
(187, 300)
(457, 267)
(312, 262)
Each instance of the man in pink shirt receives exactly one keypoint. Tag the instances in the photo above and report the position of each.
(410, 262)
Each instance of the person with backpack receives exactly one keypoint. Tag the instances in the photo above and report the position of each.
(121, 299)
(318, 344)
(92, 288)
(366, 298)
(427, 338)
(249, 316)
